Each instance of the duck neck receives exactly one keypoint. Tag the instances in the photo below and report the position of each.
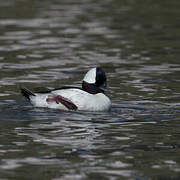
(91, 88)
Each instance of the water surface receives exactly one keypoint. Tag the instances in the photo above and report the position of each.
(54, 43)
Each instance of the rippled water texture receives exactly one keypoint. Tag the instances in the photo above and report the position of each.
(52, 44)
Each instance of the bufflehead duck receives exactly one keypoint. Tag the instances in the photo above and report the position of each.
(90, 97)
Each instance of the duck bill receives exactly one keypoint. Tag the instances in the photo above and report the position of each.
(104, 87)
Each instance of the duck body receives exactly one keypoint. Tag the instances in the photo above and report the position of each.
(88, 98)
(76, 99)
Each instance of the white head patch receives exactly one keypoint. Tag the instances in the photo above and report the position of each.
(90, 76)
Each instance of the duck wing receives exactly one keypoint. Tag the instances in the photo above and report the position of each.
(66, 102)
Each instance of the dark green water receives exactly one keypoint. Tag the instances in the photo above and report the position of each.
(52, 44)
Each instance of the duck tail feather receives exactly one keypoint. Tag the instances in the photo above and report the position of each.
(26, 93)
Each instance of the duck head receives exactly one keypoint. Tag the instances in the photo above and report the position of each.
(94, 81)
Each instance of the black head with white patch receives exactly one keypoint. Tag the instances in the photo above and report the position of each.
(94, 81)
